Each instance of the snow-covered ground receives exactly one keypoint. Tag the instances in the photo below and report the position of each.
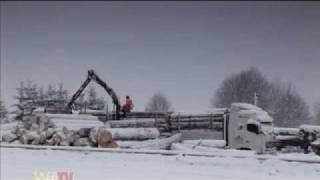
(22, 163)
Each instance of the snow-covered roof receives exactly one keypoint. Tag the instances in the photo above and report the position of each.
(253, 121)
(245, 106)
(260, 115)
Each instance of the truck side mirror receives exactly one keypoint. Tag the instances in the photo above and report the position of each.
(254, 128)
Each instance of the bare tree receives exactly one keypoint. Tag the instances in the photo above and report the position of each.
(31, 96)
(158, 103)
(287, 106)
(27, 97)
(62, 94)
(317, 113)
(51, 92)
(279, 99)
(241, 87)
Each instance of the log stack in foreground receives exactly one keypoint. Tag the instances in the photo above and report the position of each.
(40, 130)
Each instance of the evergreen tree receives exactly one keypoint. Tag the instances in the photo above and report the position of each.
(3, 113)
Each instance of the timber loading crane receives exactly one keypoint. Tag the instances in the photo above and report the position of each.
(93, 76)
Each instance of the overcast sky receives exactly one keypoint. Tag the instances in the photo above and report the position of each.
(183, 49)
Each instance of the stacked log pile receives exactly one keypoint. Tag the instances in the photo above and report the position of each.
(171, 121)
(199, 121)
(285, 137)
(304, 137)
(41, 130)
(315, 145)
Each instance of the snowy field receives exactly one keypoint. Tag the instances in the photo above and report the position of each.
(21, 163)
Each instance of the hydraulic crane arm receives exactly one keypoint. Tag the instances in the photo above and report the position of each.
(80, 90)
(93, 76)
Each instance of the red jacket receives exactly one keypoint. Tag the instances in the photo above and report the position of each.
(128, 104)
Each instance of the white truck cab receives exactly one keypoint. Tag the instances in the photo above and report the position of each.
(248, 127)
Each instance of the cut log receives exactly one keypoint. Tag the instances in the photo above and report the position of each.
(82, 142)
(30, 137)
(19, 131)
(93, 136)
(23, 139)
(285, 131)
(69, 137)
(84, 132)
(9, 137)
(35, 127)
(127, 144)
(112, 144)
(205, 143)
(310, 128)
(50, 141)
(57, 138)
(284, 141)
(72, 116)
(180, 147)
(164, 143)
(135, 123)
(316, 146)
(43, 137)
(134, 133)
(104, 137)
(127, 133)
(49, 133)
(195, 125)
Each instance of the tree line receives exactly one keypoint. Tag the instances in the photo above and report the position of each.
(280, 99)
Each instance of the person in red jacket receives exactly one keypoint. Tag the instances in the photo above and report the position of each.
(127, 107)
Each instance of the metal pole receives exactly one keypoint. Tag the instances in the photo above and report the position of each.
(255, 99)
(178, 122)
(107, 112)
(211, 123)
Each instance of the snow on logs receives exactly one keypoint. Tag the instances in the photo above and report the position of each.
(134, 133)
(285, 131)
(41, 130)
(305, 136)
(316, 146)
(136, 123)
(164, 143)
(310, 128)
(130, 133)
